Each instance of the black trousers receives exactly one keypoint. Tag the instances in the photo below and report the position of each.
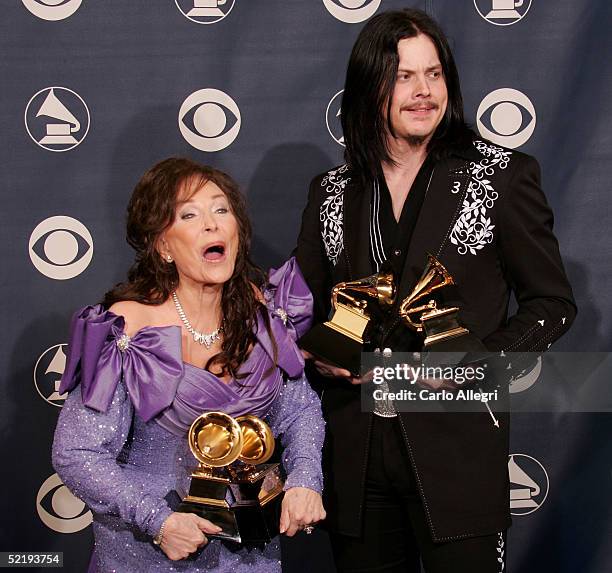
(395, 535)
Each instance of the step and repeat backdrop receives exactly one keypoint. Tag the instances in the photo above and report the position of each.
(94, 92)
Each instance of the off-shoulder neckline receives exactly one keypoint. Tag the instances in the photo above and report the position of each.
(168, 327)
(108, 311)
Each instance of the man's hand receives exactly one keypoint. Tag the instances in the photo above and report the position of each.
(330, 371)
(301, 507)
(435, 384)
(184, 534)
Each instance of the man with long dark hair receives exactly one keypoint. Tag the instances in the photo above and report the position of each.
(408, 486)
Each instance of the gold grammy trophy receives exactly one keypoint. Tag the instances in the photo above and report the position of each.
(340, 339)
(242, 498)
(437, 324)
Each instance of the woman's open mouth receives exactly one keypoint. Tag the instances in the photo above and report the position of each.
(214, 253)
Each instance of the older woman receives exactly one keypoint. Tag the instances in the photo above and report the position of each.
(188, 332)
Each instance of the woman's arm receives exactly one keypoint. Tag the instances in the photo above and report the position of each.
(85, 450)
(297, 418)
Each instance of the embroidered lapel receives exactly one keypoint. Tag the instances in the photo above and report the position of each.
(331, 212)
(473, 229)
(439, 213)
(344, 214)
(456, 209)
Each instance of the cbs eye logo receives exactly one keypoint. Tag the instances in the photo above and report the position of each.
(57, 119)
(59, 510)
(352, 11)
(529, 484)
(209, 120)
(507, 117)
(332, 118)
(205, 11)
(52, 10)
(48, 372)
(60, 247)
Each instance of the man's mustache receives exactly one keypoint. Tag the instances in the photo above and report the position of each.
(422, 105)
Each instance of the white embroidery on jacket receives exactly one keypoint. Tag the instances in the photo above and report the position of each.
(473, 229)
(501, 557)
(330, 213)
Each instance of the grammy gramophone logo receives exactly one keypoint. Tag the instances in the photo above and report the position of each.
(48, 374)
(502, 12)
(333, 120)
(529, 484)
(57, 119)
(205, 11)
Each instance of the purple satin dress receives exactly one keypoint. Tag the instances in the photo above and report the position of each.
(120, 443)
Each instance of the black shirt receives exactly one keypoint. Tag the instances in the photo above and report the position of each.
(390, 239)
(389, 242)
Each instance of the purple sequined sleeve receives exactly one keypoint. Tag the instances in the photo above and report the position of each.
(85, 450)
(296, 416)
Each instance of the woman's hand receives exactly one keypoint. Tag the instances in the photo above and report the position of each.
(301, 507)
(184, 534)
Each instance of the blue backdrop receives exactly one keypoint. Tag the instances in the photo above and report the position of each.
(93, 93)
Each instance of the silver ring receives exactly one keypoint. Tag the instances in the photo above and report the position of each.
(309, 529)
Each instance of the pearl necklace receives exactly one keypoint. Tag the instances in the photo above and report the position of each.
(202, 337)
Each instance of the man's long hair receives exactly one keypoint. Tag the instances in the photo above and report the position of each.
(370, 80)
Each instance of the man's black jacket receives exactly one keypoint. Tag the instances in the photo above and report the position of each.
(486, 219)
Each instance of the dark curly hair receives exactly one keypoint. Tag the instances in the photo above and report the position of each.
(151, 280)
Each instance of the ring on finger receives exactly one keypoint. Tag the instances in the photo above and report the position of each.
(308, 529)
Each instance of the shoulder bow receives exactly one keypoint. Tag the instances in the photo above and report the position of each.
(100, 354)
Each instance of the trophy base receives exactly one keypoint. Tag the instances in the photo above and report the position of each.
(245, 504)
(464, 341)
(448, 342)
(329, 345)
(242, 523)
(223, 517)
(441, 325)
